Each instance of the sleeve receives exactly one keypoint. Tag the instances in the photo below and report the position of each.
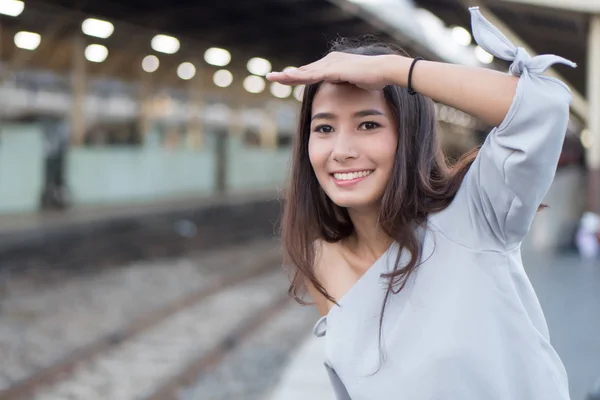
(338, 387)
(517, 162)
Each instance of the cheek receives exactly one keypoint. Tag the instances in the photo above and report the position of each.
(318, 154)
(390, 150)
(383, 148)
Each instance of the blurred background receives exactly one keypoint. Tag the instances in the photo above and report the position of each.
(142, 157)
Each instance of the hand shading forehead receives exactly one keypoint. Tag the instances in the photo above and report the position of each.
(344, 98)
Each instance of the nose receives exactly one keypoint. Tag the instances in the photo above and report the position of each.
(344, 148)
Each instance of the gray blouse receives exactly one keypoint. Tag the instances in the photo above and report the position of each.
(468, 324)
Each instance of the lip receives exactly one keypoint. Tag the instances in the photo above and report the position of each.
(351, 182)
(348, 171)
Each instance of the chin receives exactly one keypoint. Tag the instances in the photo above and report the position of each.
(353, 200)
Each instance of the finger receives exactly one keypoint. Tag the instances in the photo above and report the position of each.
(295, 77)
(310, 66)
(292, 72)
(318, 71)
(294, 82)
(303, 68)
(280, 77)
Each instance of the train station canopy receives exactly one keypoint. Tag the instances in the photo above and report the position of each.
(294, 32)
(541, 26)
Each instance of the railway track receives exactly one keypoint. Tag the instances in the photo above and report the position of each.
(169, 390)
(160, 352)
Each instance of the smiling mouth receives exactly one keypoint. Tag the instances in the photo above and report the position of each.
(348, 176)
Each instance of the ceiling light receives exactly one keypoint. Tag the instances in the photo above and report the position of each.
(483, 56)
(217, 57)
(281, 91)
(298, 92)
(27, 40)
(96, 53)
(223, 78)
(12, 8)
(259, 66)
(150, 63)
(165, 44)
(186, 71)
(97, 28)
(461, 36)
(254, 84)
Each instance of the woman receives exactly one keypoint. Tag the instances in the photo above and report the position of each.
(414, 265)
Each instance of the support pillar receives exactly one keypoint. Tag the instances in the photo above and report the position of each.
(233, 131)
(221, 161)
(145, 115)
(195, 130)
(78, 95)
(268, 131)
(593, 91)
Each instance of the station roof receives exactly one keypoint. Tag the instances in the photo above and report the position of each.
(298, 31)
(286, 32)
(547, 26)
(286, 29)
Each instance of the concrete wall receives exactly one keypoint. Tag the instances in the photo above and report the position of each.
(100, 175)
(109, 175)
(250, 168)
(21, 169)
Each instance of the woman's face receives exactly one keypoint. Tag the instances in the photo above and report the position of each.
(352, 144)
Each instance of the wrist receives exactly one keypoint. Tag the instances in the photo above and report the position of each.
(396, 69)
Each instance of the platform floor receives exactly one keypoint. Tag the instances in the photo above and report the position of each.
(569, 291)
(305, 376)
(10, 223)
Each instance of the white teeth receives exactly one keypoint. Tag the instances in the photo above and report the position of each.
(351, 175)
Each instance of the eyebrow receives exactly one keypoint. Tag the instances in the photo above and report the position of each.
(358, 114)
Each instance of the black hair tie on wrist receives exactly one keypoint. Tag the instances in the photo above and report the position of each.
(410, 72)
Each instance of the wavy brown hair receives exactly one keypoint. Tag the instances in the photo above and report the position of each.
(422, 182)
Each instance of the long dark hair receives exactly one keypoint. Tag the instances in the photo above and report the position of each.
(422, 182)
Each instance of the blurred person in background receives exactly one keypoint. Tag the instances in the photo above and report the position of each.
(55, 194)
(586, 239)
(415, 265)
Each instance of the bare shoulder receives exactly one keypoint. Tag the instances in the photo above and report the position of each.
(325, 254)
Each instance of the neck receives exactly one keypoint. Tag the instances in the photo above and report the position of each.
(368, 235)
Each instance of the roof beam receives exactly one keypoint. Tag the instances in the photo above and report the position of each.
(383, 27)
(587, 6)
(21, 57)
(124, 57)
(579, 105)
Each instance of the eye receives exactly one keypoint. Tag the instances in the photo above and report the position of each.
(323, 129)
(368, 125)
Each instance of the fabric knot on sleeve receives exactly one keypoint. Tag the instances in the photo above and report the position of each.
(489, 38)
(521, 61)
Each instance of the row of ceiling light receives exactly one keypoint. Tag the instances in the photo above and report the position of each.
(462, 36)
(97, 53)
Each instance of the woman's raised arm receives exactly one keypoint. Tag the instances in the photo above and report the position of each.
(481, 92)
